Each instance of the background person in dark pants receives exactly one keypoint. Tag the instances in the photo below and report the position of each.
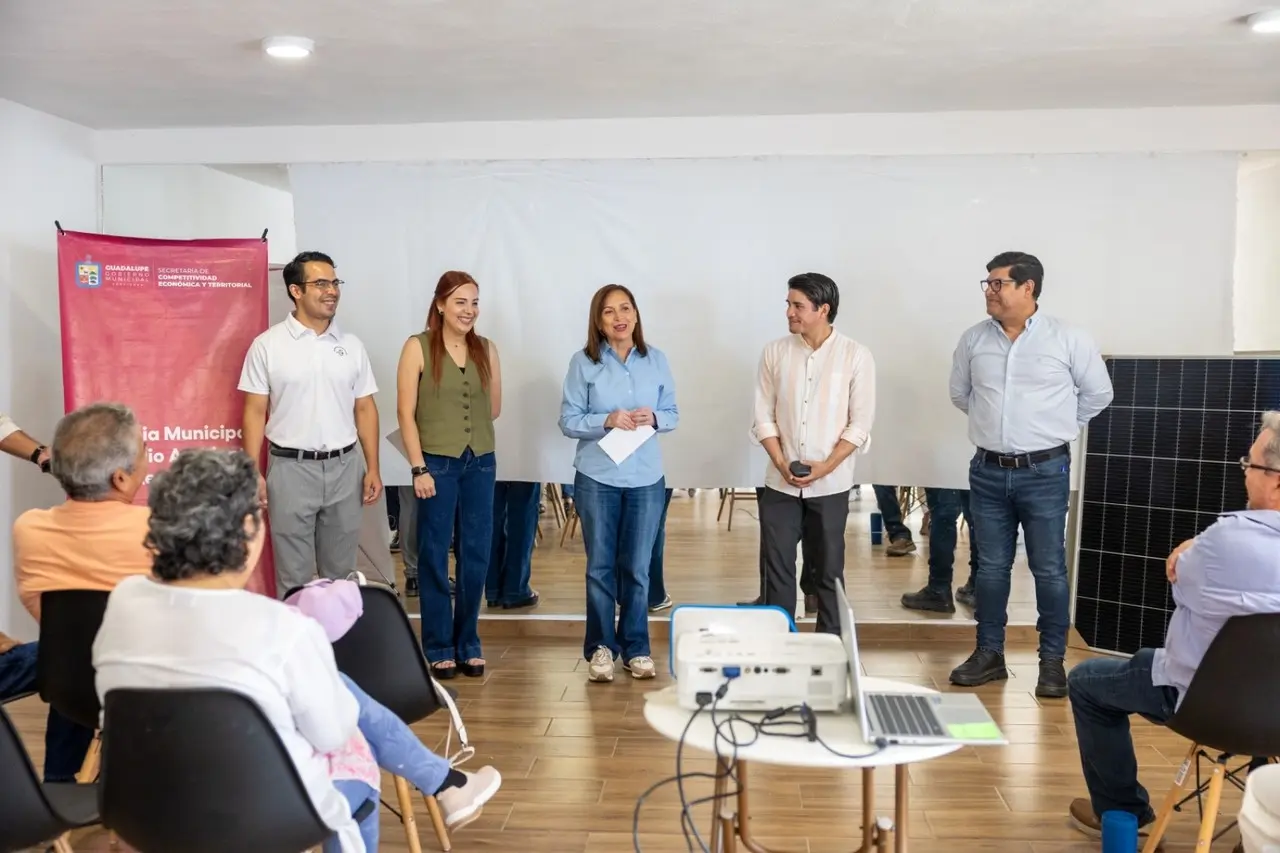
(515, 529)
(900, 542)
(946, 507)
(814, 404)
(1028, 383)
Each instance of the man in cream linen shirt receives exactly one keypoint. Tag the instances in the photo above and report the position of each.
(815, 403)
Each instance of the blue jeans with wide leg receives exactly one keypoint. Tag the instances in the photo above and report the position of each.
(1035, 498)
(463, 502)
(515, 529)
(619, 526)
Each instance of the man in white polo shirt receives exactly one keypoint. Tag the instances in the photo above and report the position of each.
(309, 391)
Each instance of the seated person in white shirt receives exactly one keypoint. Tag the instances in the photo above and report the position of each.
(814, 405)
(192, 624)
(1231, 569)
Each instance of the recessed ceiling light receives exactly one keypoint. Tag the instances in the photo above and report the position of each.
(1265, 22)
(288, 47)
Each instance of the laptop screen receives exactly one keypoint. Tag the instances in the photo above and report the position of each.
(850, 641)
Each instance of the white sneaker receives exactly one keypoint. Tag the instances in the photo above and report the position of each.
(601, 668)
(463, 804)
(640, 666)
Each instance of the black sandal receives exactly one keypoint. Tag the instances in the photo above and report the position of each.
(444, 673)
(471, 670)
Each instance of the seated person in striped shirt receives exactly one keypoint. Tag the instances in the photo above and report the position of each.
(815, 402)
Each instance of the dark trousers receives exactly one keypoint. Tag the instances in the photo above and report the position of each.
(65, 742)
(946, 506)
(783, 520)
(515, 529)
(891, 513)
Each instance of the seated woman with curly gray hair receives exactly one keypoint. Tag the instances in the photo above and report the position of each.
(192, 624)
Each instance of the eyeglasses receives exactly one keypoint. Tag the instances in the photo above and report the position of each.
(993, 285)
(1246, 464)
(325, 284)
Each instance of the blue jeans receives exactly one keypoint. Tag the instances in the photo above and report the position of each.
(891, 513)
(946, 506)
(515, 529)
(464, 494)
(1035, 498)
(395, 747)
(657, 589)
(65, 742)
(1104, 693)
(619, 526)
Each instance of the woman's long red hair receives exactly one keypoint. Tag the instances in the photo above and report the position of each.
(476, 350)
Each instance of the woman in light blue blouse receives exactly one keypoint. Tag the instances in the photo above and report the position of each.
(618, 382)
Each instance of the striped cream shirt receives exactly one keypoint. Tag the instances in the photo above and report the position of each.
(810, 399)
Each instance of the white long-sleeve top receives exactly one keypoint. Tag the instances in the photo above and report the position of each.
(156, 636)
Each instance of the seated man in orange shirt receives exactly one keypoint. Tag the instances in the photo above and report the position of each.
(92, 541)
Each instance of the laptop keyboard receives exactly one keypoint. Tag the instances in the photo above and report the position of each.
(905, 714)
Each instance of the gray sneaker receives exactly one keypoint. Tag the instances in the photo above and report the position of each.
(461, 805)
(601, 666)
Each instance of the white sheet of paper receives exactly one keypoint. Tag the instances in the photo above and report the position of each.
(621, 443)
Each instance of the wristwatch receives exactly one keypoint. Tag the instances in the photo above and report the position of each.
(419, 471)
(35, 458)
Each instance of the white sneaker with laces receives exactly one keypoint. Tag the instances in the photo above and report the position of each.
(601, 668)
(641, 666)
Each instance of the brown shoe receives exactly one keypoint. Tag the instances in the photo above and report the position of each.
(900, 547)
(1083, 818)
(810, 605)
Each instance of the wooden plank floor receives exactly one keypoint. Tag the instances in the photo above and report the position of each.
(706, 563)
(575, 756)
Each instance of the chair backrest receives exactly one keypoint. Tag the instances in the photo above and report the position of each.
(202, 771)
(25, 816)
(69, 622)
(382, 655)
(1231, 702)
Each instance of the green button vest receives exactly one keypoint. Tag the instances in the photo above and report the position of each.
(455, 415)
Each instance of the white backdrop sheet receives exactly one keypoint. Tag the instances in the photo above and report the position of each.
(1138, 249)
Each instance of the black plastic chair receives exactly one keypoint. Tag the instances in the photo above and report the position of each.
(32, 813)
(1229, 709)
(69, 623)
(202, 771)
(382, 654)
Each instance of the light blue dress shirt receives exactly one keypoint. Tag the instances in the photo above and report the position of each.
(1034, 393)
(593, 391)
(1233, 569)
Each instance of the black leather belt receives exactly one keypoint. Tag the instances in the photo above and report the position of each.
(1022, 460)
(291, 453)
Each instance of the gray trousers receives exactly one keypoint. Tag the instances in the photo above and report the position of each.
(316, 509)
(408, 527)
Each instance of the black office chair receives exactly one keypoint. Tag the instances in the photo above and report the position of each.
(32, 813)
(69, 622)
(202, 771)
(1229, 709)
(382, 655)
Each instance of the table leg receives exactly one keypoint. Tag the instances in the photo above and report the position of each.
(868, 809)
(900, 782)
(718, 841)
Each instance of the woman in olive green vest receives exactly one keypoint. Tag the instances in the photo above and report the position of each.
(448, 392)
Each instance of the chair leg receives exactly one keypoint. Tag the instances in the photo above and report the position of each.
(1170, 800)
(63, 843)
(1212, 801)
(437, 821)
(406, 814)
(733, 499)
(92, 761)
(724, 496)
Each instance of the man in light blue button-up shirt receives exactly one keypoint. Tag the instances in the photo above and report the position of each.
(1028, 383)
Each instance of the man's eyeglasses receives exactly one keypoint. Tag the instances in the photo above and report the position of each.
(325, 284)
(1246, 464)
(993, 285)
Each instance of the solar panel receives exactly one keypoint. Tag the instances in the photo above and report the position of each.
(1161, 463)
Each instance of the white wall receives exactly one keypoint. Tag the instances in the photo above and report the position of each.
(47, 172)
(1179, 129)
(189, 202)
(1257, 269)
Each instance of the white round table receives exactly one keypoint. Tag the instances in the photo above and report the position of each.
(840, 731)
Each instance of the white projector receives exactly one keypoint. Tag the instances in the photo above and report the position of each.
(763, 671)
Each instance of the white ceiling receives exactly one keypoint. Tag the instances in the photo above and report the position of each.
(166, 63)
